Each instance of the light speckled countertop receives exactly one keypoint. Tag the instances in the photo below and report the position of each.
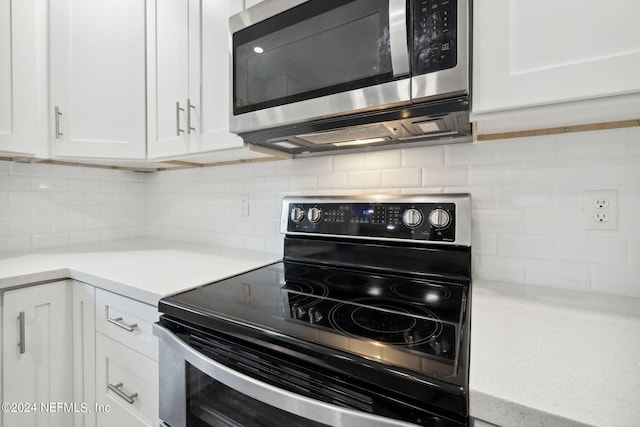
(142, 269)
(553, 357)
(539, 356)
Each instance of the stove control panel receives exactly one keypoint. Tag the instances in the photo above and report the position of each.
(425, 219)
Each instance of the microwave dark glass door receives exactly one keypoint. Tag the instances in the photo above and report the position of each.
(317, 48)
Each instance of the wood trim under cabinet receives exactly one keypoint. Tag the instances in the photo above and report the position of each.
(553, 131)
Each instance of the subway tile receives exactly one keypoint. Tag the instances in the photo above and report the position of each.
(4, 197)
(348, 162)
(387, 159)
(482, 197)
(400, 178)
(497, 221)
(332, 180)
(554, 222)
(364, 179)
(49, 184)
(51, 211)
(634, 253)
(524, 149)
(63, 171)
(50, 240)
(523, 197)
(523, 246)
(483, 243)
(67, 198)
(15, 183)
(30, 227)
(613, 279)
(114, 234)
(620, 172)
(68, 224)
(29, 169)
(592, 249)
(12, 213)
(5, 228)
(494, 174)
(84, 236)
(562, 172)
(4, 168)
(84, 186)
(98, 198)
(561, 274)
(499, 268)
(597, 144)
(15, 243)
(470, 154)
(451, 176)
(423, 157)
(99, 173)
(29, 198)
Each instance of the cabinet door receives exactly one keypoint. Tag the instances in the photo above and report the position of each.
(213, 114)
(529, 53)
(98, 78)
(128, 382)
(84, 352)
(168, 77)
(21, 92)
(37, 356)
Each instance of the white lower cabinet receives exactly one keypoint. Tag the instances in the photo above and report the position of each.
(128, 382)
(126, 361)
(37, 360)
(75, 355)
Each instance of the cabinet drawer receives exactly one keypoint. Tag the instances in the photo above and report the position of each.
(127, 321)
(126, 381)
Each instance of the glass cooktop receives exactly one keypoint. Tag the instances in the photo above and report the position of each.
(391, 319)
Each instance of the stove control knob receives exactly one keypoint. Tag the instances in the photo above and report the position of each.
(315, 214)
(314, 315)
(439, 218)
(297, 214)
(412, 217)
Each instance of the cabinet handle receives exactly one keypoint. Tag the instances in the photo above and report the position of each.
(117, 389)
(178, 109)
(189, 108)
(21, 344)
(57, 117)
(118, 322)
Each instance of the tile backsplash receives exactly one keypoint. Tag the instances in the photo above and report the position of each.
(527, 199)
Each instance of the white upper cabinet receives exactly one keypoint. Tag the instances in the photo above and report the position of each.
(97, 78)
(528, 54)
(23, 77)
(188, 77)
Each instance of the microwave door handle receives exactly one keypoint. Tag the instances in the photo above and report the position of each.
(398, 37)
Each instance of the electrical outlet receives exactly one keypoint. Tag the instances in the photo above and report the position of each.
(601, 209)
(244, 205)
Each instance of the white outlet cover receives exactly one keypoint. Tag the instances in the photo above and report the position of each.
(594, 212)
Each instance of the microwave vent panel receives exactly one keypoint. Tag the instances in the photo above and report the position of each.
(348, 134)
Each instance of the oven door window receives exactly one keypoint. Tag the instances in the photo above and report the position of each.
(211, 403)
(318, 48)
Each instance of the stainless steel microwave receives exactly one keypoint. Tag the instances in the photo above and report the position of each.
(319, 76)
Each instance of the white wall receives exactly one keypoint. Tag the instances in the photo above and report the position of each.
(49, 205)
(527, 195)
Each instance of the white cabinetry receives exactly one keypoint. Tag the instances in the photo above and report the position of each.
(84, 353)
(535, 54)
(188, 77)
(126, 361)
(23, 115)
(37, 354)
(98, 98)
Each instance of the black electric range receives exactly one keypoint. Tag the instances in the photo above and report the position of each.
(372, 292)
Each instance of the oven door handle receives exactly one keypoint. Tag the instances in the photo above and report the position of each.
(273, 396)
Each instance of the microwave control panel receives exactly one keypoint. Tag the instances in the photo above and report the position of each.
(435, 33)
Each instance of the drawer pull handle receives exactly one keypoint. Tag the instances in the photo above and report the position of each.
(117, 389)
(118, 322)
(21, 337)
